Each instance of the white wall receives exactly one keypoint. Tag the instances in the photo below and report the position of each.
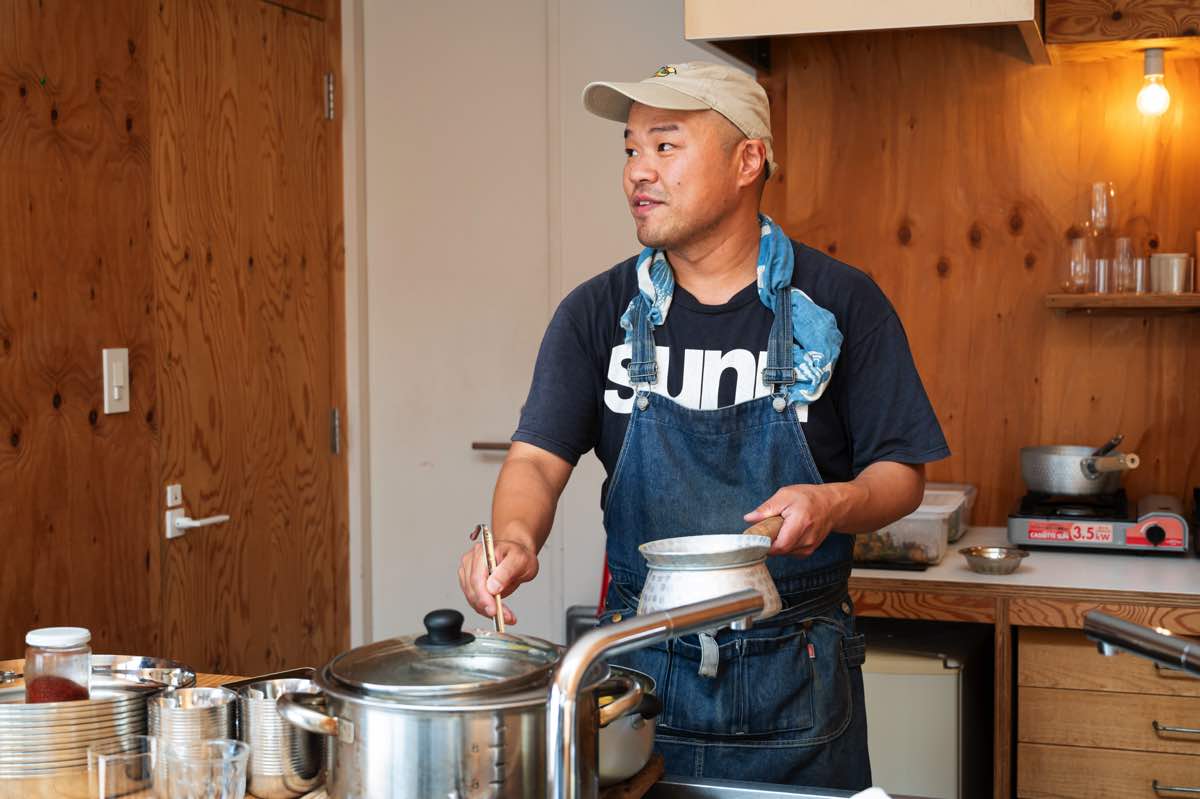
(487, 194)
(612, 40)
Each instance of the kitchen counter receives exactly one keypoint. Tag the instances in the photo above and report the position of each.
(1086, 571)
(1050, 589)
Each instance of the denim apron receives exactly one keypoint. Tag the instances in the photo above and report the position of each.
(785, 704)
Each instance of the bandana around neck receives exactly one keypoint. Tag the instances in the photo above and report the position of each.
(818, 342)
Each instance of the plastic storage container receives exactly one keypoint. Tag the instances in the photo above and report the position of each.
(969, 492)
(920, 537)
(58, 664)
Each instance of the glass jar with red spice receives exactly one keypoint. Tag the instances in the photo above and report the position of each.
(58, 664)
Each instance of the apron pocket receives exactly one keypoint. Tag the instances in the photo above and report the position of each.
(763, 687)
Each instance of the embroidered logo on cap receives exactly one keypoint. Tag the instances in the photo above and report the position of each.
(664, 72)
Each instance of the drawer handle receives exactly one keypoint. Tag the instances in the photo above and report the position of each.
(1173, 673)
(491, 446)
(1158, 789)
(1161, 728)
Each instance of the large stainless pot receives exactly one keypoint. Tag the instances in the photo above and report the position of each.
(444, 714)
(1074, 471)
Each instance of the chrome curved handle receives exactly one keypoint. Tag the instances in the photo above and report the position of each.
(1158, 789)
(297, 709)
(623, 703)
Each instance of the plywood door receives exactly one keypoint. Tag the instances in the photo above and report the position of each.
(243, 263)
(77, 544)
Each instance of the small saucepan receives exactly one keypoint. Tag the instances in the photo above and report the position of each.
(627, 742)
(1075, 471)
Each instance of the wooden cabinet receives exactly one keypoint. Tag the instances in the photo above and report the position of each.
(1090, 726)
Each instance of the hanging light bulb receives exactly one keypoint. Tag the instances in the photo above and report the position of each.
(1154, 98)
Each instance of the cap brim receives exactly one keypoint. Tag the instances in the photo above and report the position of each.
(612, 100)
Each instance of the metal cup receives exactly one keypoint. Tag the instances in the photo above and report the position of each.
(190, 715)
(1170, 273)
(285, 761)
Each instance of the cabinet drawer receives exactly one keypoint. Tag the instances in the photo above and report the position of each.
(1067, 659)
(1070, 772)
(1108, 720)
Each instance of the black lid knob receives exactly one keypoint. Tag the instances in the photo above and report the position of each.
(443, 628)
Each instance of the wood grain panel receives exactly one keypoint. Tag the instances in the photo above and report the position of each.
(243, 260)
(1003, 704)
(1067, 659)
(1069, 21)
(76, 486)
(913, 605)
(1107, 720)
(1037, 612)
(953, 180)
(318, 9)
(1071, 772)
(335, 243)
(1127, 51)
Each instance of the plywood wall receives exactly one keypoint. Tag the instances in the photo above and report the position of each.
(950, 169)
(77, 487)
(169, 183)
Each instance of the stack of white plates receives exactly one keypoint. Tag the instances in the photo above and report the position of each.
(190, 715)
(53, 737)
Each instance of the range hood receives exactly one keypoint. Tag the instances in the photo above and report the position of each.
(725, 20)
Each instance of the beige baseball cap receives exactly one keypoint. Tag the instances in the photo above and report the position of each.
(691, 86)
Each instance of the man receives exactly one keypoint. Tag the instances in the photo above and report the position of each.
(725, 375)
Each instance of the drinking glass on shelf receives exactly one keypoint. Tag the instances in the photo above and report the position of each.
(1102, 269)
(213, 769)
(1079, 273)
(123, 767)
(1124, 276)
(1104, 205)
(1141, 275)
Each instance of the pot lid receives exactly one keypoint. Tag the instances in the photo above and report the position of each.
(445, 662)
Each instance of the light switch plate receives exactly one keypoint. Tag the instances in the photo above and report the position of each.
(174, 495)
(116, 380)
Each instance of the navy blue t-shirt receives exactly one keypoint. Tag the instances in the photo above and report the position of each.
(874, 408)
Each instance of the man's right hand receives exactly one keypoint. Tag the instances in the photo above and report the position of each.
(516, 563)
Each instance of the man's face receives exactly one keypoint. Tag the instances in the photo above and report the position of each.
(680, 173)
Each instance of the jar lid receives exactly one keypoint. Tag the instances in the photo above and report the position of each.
(58, 637)
(445, 662)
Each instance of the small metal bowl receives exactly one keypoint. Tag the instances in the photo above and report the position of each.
(993, 560)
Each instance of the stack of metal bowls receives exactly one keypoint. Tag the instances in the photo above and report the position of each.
(50, 738)
(285, 761)
(190, 715)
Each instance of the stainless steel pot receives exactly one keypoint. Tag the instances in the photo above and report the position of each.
(1074, 470)
(445, 714)
(627, 743)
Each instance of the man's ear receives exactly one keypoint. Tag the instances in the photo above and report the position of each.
(752, 161)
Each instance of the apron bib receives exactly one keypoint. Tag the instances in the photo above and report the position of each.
(784, 703)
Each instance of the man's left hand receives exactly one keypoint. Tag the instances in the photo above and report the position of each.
(809, 514)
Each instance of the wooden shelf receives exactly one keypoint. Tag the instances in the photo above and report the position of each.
(1125, 303)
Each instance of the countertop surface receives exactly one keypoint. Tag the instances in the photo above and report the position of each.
(1082, 570)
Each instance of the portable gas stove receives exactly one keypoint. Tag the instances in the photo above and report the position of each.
(1100, 521)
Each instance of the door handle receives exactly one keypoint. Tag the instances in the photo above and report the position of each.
(179, 523)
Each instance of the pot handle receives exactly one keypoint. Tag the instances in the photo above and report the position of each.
(1093, 467)
(298, 709)
(623, 703)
